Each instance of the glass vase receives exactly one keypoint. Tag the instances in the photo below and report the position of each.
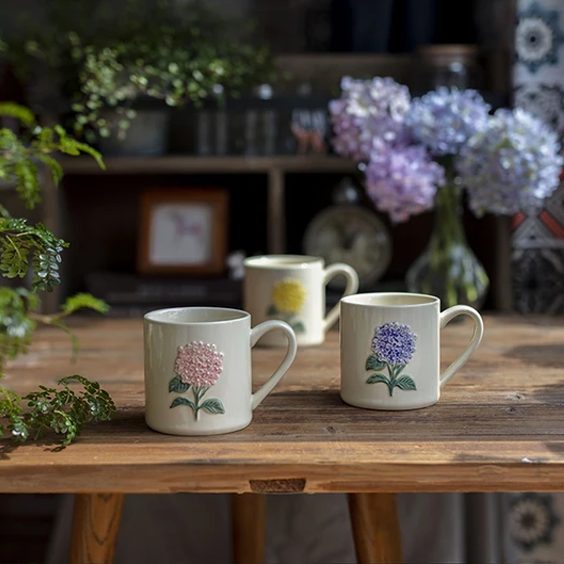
(448, 268)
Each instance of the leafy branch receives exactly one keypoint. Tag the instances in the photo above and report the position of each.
(60, 411)
(19, 319)
(25, 249)
(20, 155)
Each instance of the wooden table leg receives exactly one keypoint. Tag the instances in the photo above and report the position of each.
(95, 528)
(249, 524)
(375, 527)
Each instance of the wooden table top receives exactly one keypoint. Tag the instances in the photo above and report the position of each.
(498, 427)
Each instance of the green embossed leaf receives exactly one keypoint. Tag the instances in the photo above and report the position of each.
(375, 378)
(213, 406)
(372, 363)
(182, 401)
(177, 385)
(272, 310)
(406, 383)
(298, 327)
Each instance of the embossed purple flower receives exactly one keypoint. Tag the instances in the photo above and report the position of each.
(198, 364)
(394, 343)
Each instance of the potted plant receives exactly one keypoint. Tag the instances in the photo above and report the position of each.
(143, 58)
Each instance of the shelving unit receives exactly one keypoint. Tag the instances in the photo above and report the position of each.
(275, 169)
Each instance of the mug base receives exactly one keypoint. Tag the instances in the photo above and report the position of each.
(196, 433)
(368, 405)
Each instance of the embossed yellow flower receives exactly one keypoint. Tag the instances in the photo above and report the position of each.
(288, 295)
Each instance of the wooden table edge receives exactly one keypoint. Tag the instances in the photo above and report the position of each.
(263, 478)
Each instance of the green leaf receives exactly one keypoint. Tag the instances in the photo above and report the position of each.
(178, 386)
(16, 327)
(405, 383)
(213, 405)
(373, 363)
(21, 113)
(62, 411)
(375, 378)
(54, 166)
(298, 327)
(84, 301)
(272, 310)
(23, 246)
(182, 401)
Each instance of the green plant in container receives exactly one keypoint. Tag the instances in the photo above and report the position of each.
(168, 55)
(32, 252)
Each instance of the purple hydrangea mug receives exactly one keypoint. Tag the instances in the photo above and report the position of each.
(390, 349)
(198, 377)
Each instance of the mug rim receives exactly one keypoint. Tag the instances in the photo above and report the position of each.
(357, 299)
(282, 261)
(150, 316)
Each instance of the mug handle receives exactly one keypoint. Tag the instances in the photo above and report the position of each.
(445, 317)
(351, 287)
(256, 333)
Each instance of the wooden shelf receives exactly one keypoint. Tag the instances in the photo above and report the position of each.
(180, 164)
(275, 168)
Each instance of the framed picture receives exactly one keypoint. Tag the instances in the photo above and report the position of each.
(183, 231)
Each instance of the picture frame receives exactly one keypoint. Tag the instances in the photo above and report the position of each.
(183, 231)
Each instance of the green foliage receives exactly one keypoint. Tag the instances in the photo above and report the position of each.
(84, 301)
(19, 318)
(16, 327)
(21, 155)
(24, 246)
(21, 113)
(57, 411)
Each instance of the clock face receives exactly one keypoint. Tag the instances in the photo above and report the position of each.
(353, 235)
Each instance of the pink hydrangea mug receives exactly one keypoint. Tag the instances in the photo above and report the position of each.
(198, 378)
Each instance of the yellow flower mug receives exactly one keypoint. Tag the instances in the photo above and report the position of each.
(292, 288)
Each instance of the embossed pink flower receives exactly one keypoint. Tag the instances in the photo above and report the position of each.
(199, 364)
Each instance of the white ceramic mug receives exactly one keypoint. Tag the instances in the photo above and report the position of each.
(198, 369)
(390, 349)
(292, 288)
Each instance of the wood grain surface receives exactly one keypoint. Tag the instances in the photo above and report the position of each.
(95, 528)
(248, 524)
(375, 525)
(498, 426)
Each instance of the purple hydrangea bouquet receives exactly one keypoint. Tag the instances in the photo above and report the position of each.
(421, 153)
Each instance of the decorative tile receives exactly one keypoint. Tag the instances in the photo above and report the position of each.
(532, 520)
(538, 238)
(546, 101)
(538, 36)
(538, 280)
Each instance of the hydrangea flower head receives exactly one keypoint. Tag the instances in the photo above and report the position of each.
(198, 364)
(402, 180)
(368, 110)
(394, 343)
(511, 165)
(444, 119)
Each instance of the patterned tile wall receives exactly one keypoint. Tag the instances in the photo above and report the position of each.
(538, 239)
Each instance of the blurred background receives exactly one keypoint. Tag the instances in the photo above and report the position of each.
(212, 118)
(256, 127)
